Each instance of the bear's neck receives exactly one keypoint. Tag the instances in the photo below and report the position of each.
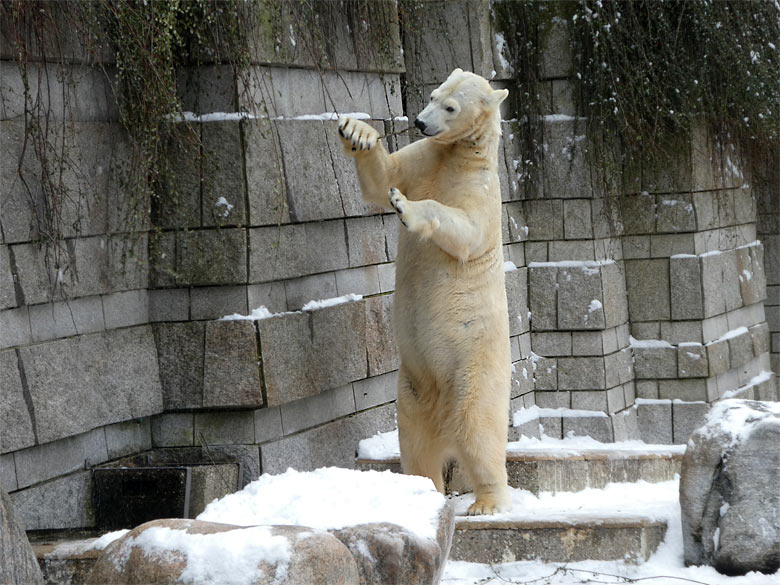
(482, 142)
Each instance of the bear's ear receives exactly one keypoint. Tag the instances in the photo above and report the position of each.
(498, 96)
(456, 71)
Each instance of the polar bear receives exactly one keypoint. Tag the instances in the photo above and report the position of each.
(450, 314)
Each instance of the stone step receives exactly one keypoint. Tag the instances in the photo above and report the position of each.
(549, 468)
(563, 539)
(65, 558)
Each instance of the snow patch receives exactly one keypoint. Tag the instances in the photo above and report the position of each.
(649, 343)
(509, 266)
(321, 304)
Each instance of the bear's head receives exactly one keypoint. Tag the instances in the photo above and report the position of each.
(464, 106)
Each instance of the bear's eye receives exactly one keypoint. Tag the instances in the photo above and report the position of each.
(450, 109)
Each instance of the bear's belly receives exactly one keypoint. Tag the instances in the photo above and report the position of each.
(446, 312)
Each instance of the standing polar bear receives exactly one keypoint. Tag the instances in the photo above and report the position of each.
(450, 311)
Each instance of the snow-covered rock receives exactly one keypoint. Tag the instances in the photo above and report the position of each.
(164, 552)
(729, 494)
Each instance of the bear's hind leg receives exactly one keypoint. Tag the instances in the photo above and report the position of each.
(422, 452)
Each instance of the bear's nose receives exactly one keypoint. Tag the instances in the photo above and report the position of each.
(420, 124)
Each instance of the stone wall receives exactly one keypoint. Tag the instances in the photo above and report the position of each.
(642, 303)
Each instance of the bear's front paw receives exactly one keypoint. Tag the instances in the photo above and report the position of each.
(356, 136)
(411, 214)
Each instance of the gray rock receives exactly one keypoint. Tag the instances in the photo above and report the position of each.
(215, 256)
(316, 557)
(7, 290)
(41, 507)
(223, 175)
(180, 349)
(387, 553)
(728, 491)
(264, 174)
(231, 373)
(17, 560)
(16, 429)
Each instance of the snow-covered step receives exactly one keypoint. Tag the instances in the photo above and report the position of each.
(553, 465)
(623, 521)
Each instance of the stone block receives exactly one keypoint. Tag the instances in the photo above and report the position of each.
(625, 425)
(128, 438)
(296, 250)
(567, 250)
(266, 187)
(545, 218)
(43, 462)
(740, 350)
(179, 205)
(171, 304)
(751, 275)
(666, 245)
(543, 297)
(609, 340)
(616, 399)
(300, 291)
(655, 361)
(386, 277)
(206, 88)
(366, 241)
(552, 344)
(596, 427)
(231, 375)
(316, 410)
(112, 377)
(677, 332)
(655, 422)
(127, 262)
(391, 226)
(732, 296)
(613, 284)
(545, 374)
(581, 373)
(595, 400)
(224, 428)
(7, 472)
(268, 424)
(761, 340)
(362, 281)
(675, 214)
(687, 417)
(647, 282)
(304, 354)
(536, 252)
(7, 287)
(557, 59)
(16, 427)
(162, 259)
(587, 343)
(692, 361)
(215, 302)
(381, 351)
(216, 256)
(638, 213)
(53, 320)
(180, 348)
(125, 309)
(35, 271)
(223, 192)
(327, 445)
(636, 247)
(515, 283)
(377, 390)
(686, 288)
(687, 390)
(577, 223)
(173, 429)
(718, 357)
(41, 507)
(270, 295)
(647, 389)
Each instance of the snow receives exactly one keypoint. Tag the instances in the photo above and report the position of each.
(735, 418)
(321, 304)
(648, 343)
(333, 498)
(106, 539)
(509, 266)
(588, 266)
(222, 202)
(230, 557)
(594, 306)
(531, 413)
(257, 314)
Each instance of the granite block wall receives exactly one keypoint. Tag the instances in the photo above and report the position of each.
(639, 300)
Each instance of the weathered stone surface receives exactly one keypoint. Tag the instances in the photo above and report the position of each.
(686, 288)
(648, 289)
(315, 557)
(655, 361)
(231, 374)
(179, 205)
(173, 430)
(17, 561)
(545, 218)
(224, 428)
(387, 553)
(728, 491)
(543, 293)
(381, 350)
(7, 290)
(40, 507)
(580, 299)
(306, 353)
(314, 410)
(180, 349)
(211, 257)
(112, 376)
(222, 197)
(692, 361)
(15, 327)
(581, 373)
(655, 421)
(265, 174)
(16, 429)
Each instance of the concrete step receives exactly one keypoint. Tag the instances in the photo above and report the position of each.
(632, 539)
(557, 467)
(66, 557)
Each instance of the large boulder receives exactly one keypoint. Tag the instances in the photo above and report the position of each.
(729, 495)
(17, 560)
(168, 552)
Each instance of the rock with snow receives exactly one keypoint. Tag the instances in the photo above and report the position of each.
(164, 552)
(17, 560)
(729, 495)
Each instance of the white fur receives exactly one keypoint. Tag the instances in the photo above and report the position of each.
(450, 303)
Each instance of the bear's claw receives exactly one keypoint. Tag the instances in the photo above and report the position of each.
(357, 135)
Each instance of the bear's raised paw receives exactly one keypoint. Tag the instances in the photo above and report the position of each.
(356, 136)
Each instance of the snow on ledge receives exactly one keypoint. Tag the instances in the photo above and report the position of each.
(262, 312)
(532, 413)
(333, 498)
(236, 116)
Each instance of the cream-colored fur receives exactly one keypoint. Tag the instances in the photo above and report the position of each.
(450, 303)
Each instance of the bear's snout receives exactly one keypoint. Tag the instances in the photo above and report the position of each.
(420, 124)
